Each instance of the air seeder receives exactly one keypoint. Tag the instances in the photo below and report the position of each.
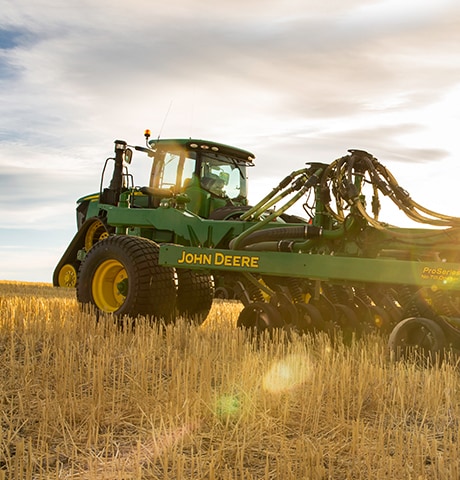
(160, 250)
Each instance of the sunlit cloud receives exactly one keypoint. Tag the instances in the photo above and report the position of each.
(292, 81)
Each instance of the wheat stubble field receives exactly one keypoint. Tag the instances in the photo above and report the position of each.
(82, 399)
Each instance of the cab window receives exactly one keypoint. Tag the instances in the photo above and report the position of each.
(172, 170)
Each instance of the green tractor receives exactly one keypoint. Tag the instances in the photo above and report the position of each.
(194, 196)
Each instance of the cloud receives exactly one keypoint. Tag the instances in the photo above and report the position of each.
(294, 81)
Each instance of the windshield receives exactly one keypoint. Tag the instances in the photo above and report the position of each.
(223, 176)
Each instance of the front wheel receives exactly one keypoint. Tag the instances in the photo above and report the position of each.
(121, 275)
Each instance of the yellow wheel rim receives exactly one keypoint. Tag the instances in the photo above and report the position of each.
(67, 276)
(109, 285)
(96, 232)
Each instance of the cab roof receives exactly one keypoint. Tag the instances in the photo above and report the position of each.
(203, 145)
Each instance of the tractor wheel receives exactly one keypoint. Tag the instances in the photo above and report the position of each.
(67, 276)
(417, 337)
(195, 293)
(260, 316)
(121, 275)
(95, 233)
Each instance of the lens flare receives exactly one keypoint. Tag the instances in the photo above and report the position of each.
(228, 406)
(287, 374)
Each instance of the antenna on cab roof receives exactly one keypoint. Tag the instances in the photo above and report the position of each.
(164, 120)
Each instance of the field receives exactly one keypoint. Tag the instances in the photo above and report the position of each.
(82, 399)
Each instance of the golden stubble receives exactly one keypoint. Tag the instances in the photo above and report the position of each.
(85, 399)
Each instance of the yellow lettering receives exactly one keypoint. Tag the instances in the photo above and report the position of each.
(218, 258)
(255, 262)
(182, 259)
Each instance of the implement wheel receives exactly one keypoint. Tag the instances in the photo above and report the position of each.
(194, 295)
(260, 316)
(121, 275)
(419, 338)
(309, 318)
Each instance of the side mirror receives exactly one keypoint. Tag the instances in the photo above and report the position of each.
(128, 156)
(148, 151)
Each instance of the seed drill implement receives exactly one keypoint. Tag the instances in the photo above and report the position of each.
(186, 235)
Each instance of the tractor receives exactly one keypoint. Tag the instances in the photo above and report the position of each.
(160, 250)
(194, 196)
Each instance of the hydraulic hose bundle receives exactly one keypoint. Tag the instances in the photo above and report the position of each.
(339, 206)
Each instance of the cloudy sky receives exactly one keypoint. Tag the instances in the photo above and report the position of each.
(291, 80)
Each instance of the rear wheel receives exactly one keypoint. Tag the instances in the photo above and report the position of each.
(121, 275)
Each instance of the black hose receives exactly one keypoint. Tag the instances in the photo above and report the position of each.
(281, 233)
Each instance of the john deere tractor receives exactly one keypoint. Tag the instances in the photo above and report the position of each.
(194, 196)
(158, 249)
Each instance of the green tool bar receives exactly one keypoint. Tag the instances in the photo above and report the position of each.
(316, 267)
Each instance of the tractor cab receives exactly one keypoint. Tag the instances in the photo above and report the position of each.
(212, 175)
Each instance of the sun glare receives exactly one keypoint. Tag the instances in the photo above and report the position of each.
(287, 374)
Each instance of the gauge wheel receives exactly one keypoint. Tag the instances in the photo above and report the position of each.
(419, 338)
(285, 307)
(381, 319)
(223, 293)
(121, 275)
(348, 322)
(67, 276)
(309, 318)
(260, 316)
(195, 293)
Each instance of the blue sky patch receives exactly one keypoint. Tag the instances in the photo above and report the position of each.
(9, 38)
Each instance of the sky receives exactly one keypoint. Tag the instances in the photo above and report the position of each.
(293, 81)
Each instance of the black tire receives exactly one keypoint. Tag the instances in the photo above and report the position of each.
(419, 338)
(195, 293)
(285, 307)
(309, 319)
(260, 316)
(224, 293)
(381, 319)
(121, 275)
(348, 322)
